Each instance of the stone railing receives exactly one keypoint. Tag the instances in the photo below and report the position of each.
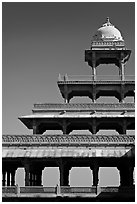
(108, 42)
(9, 190)
(85, 106)
(99, 78)
(67, 140)
(35, 191)
(78, 190)
(109, 189)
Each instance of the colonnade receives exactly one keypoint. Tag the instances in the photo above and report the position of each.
(121, 67)
(66, 126)
(8, 177)
(120, 93)
(33, 174)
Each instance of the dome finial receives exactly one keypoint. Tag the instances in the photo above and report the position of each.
(107, 21)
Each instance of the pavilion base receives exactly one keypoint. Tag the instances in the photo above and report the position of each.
(100, 194)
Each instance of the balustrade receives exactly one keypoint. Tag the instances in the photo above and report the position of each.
(86, 106)
(67, 139)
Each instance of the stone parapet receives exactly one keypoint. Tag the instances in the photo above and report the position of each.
(89, 81)
(84, 107)
(67, 140)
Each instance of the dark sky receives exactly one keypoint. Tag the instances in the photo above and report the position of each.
(41, 40)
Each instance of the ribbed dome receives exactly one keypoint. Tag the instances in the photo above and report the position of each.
(107, 32)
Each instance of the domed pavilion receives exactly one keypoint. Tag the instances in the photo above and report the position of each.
(107, 47)
(107, 37)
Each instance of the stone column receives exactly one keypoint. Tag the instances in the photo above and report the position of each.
(39, 178)
(126, 175)
(122, 67)
(64, 174)
(65, 100)
(35, 127)
(8, 178)
(94, 66)
(94, 93)
(27, 175)
(33, 179)
(95, 170)
(13, 177)
(94, 127)
(123, 71)
(64, 126)
(30, 178)
(4, 177)
(66, 92)
(131, 180)
(122, 92)
(36, 179)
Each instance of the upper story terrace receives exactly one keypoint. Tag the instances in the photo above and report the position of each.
(83, 107)
(72, 86)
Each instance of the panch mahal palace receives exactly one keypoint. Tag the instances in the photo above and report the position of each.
(37, 151)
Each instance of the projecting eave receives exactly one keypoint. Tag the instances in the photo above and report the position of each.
(28, 120)
(107, 56)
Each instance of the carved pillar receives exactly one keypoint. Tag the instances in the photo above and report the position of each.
(64, 126)
(30, 178)
(34, 178)
(36, 175)
(8, 177)
(66, 93)
(94, 127)
(27, 175)
(4, 177)
(13, 177)
(39, 178)
(126, 174)
(94, 66)
(131, 180)
(94, 93)
(35, 127)
(122, 67)
(64, 174)
(123, 71)
(95, 170)
(122, 92)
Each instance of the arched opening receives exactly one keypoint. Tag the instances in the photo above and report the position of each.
(80, 132)
(110, 125)
(129, 99)
(43, 127)
(107, 132)
(107, 72)
(79, 125)
(105, 99)
(50, 176)
(20, 177)
(83, 99)
(80, 176)
(53, 132)
(130, 132)
(109, 176)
